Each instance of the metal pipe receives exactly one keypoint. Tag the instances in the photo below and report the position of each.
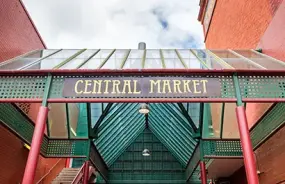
(248, 155)
(34, 153)
(203, 172)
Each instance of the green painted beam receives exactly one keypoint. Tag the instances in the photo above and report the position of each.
(180, 58)
(69, 59)
(106, 59)
(185, 113)
(94, 131)
(125, 59)
(86, 60)
(67, 120)
(162, 58)
(222, 120)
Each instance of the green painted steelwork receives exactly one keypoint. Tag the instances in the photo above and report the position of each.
(159, 167)
(222, 121)
(47, 90)
(94, 132)
(180, 58)
(185, 113)
(86, 60)
(200, 60)
(125, 58)
(69, 59)
(88, 113)
(162, 58)
(272, 121)
(207, 121)
(143, 58)
(67, 121)
(221, 148)
(106, 59)
(22, 126)
(237, 90)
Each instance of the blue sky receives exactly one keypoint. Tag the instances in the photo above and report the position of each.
(117, 23)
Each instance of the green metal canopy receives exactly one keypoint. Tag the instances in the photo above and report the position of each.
(119, 133)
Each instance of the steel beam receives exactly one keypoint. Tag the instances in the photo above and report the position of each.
(94, 131)
(98, 162)
(186, 115)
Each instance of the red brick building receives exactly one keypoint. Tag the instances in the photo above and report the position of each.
(254, 24)
(18, 35)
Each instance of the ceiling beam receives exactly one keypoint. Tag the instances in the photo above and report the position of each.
(98, 161)
(94, 131)
(186, 115)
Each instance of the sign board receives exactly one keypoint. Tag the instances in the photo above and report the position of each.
(142, 87)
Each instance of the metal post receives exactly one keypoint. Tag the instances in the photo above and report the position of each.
(33, 157)
(203, 172)
(86, 173)
(248, 156)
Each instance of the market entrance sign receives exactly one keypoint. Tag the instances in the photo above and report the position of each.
(142, 87)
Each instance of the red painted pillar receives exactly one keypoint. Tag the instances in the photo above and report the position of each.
(34, 153)
(203, 172)
(86, 173)
(248, 155)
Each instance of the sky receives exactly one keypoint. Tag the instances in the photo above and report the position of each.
(120, 24)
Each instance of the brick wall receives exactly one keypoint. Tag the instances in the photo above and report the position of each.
(13, 157)
(271, 158)
(240, 24)
(17, 33)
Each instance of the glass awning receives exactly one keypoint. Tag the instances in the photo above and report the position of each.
(143, 59)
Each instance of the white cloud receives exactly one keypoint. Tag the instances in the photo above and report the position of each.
(117, 23)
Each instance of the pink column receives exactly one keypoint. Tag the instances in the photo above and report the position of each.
(86, 173)
(203, 172)
(248, 155)
(34, 153)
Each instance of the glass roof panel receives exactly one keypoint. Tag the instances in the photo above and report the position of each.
(74, 63)
(134, 60)
(190, 59)
(53, 60)
(234, 60)
(115, 61)
(262, 60)
(153, 59)
(97, 60)
(171, 59)
(57, 120)
(209, 60)
(26, 59)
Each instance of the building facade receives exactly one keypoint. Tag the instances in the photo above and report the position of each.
(18, 35)
(255, 24)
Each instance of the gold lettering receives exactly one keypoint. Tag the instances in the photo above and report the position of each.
(87, 84)
(152, 83)
(106, 86)
(186, 86)
(127, 83)
(135, 87)
(195, 83)
(166, 83)
(116, 84)
(204, 85)
(176, 85)
(76, 87)
(95, 84)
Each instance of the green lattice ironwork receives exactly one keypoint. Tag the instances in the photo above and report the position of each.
(19, 124)
(267, 86)
(221, 148)
(22, 87)
(271, 122)
(68, 148)
(193, 162)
